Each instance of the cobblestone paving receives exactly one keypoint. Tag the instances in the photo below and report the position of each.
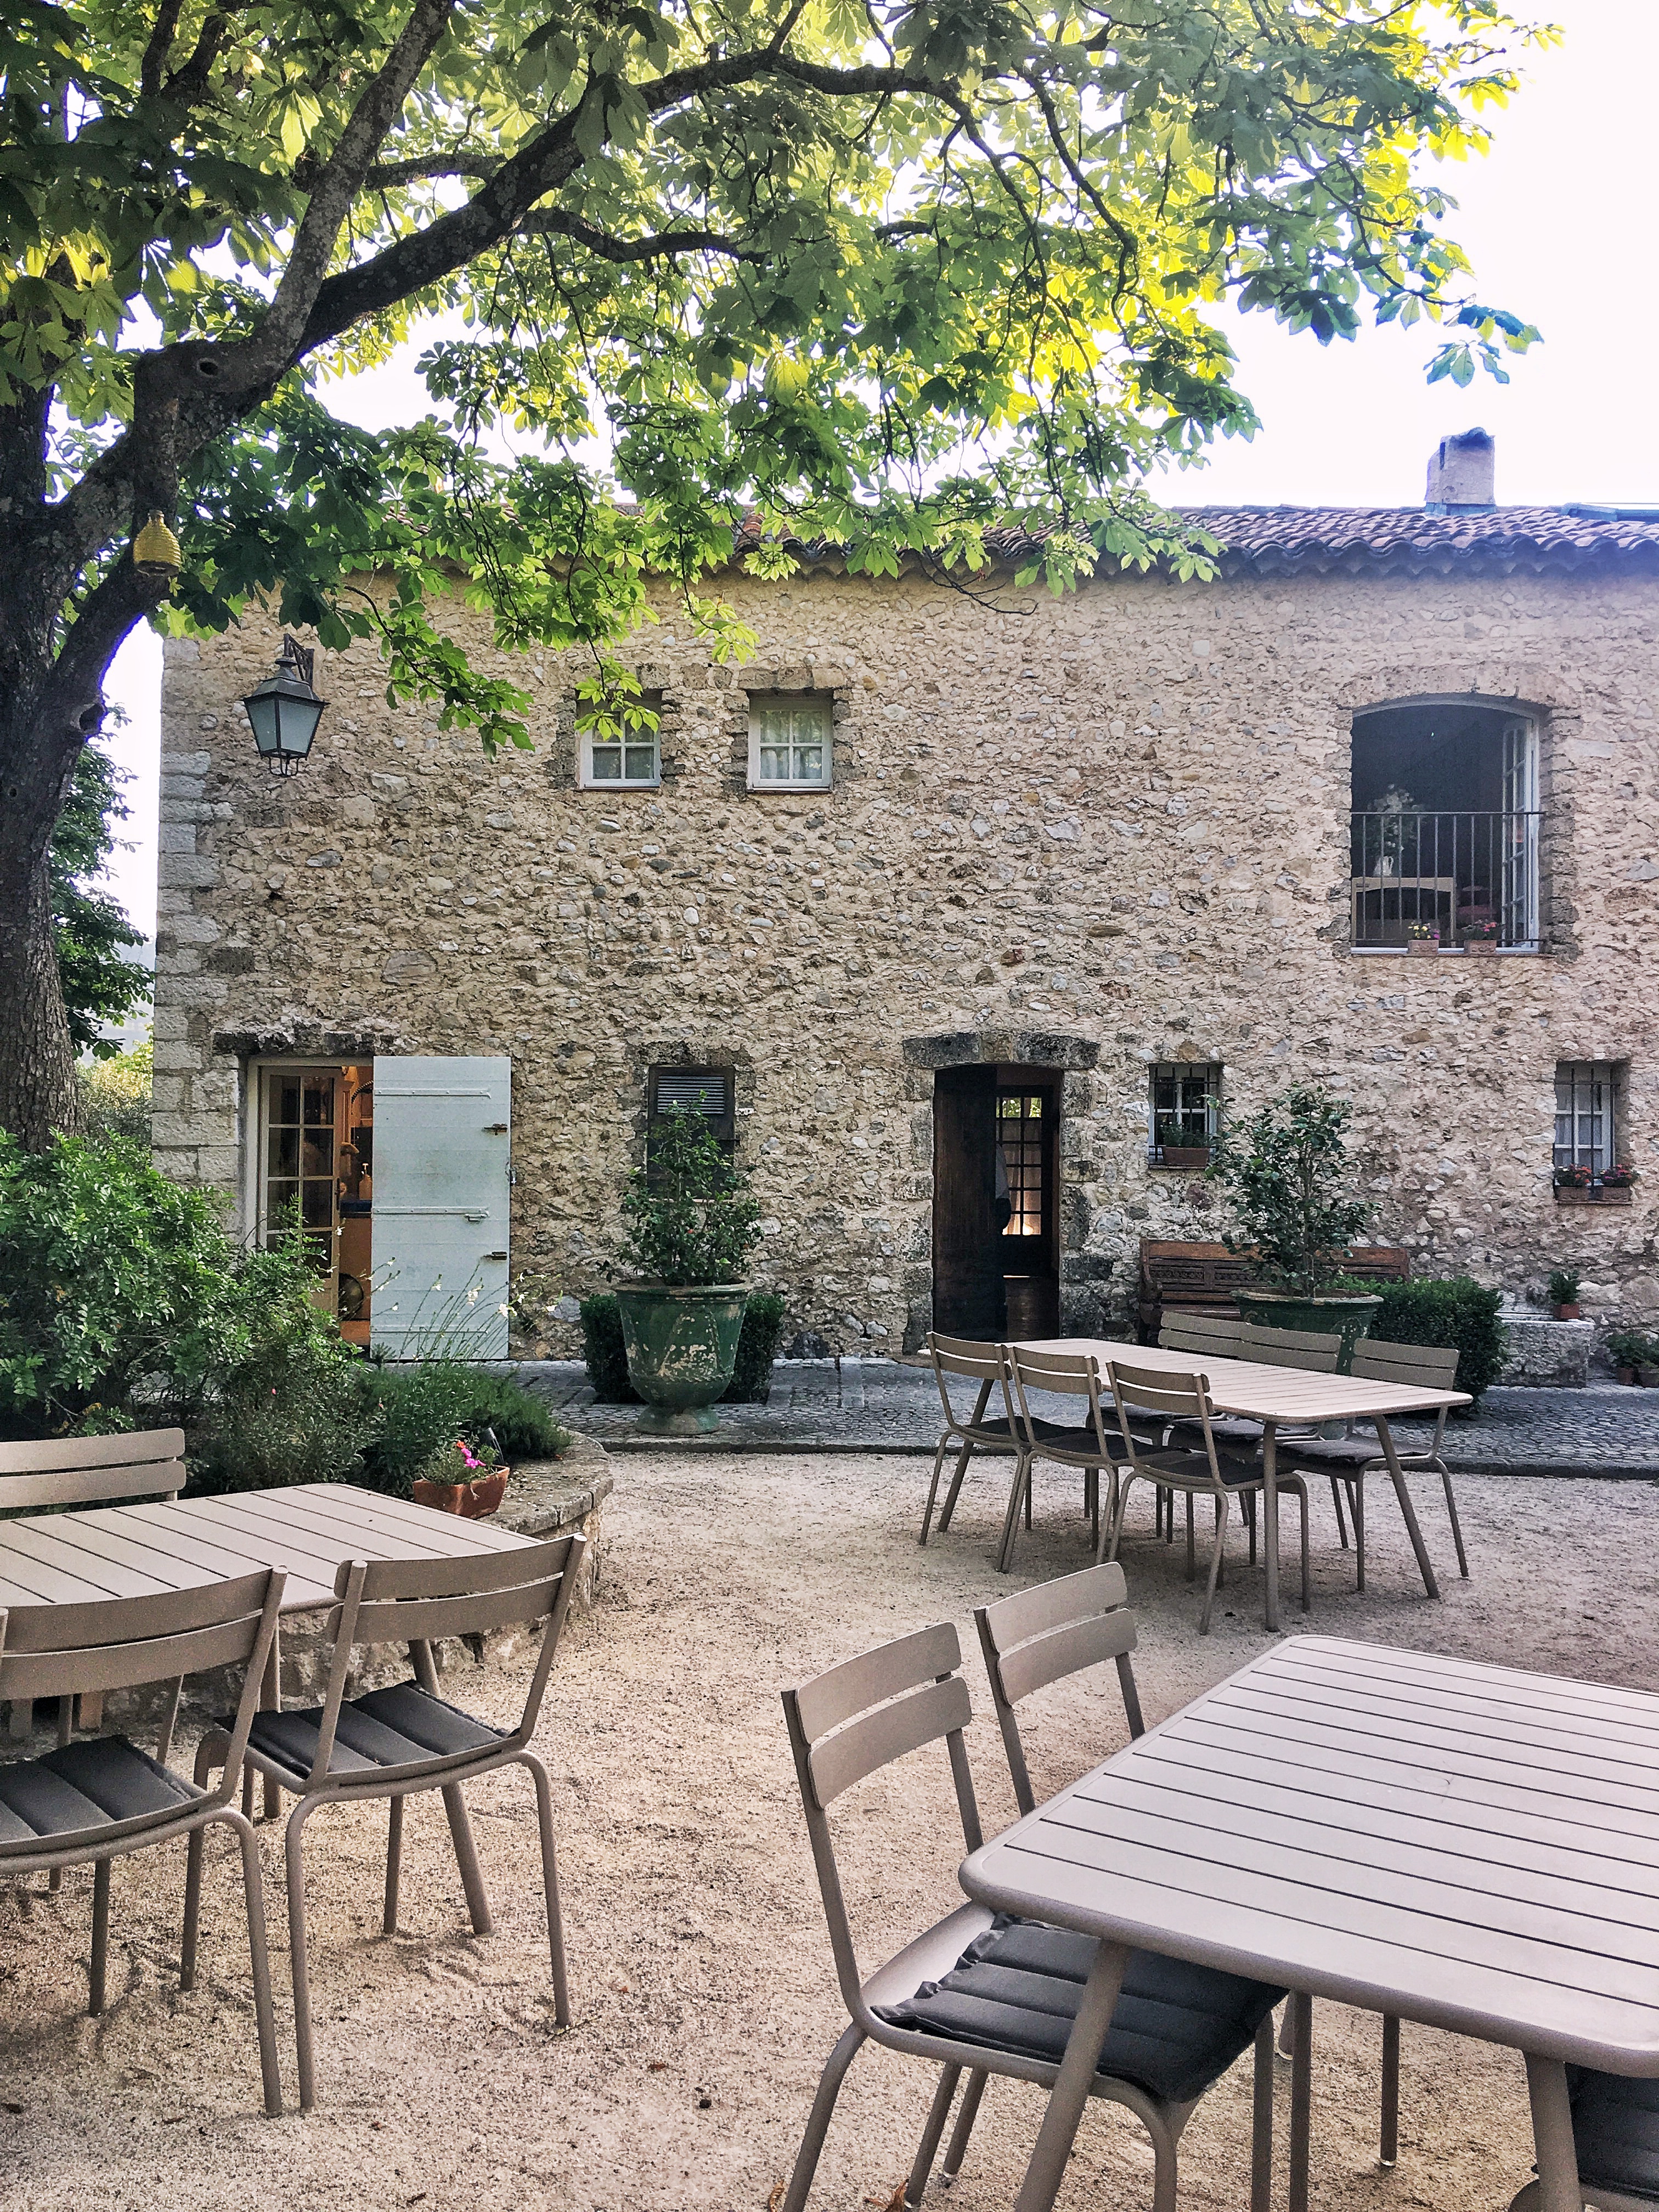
(876, 1405)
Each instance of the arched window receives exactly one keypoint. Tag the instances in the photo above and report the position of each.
(1445, 824)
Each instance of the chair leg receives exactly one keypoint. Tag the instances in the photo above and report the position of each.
(99, 1935)
(1028, 1466)
(951, 1495)
(1261, 2121)
(1389, 2150)
(933, 1488)
(1341, 1517)
(1301, 2102)
(1457, 1533)
(1165, 2166)
(817, 2121)
(1357, 1507)
(551, 1889)
(958, 2147)
(1221, 1506)
(296, 1944)
(1011, 1519)
(1221, 1562)
(193, 1907)
(1306, 1600)
(253, 1887)
(466, 1857)
(1191, 1550)
(1124, 1488)
(927, 2149)
(1248, 1501)
(394, 1862)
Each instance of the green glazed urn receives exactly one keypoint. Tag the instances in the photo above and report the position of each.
(1348, 1318)
(682, 1344)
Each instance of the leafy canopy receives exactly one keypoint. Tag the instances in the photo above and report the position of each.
(897, 272)
(1287, 1172)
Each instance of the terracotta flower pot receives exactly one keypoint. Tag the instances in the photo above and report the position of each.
(474, 1501)
(1186, 1156)
(1626, 1375)
(1429, 946)
(1480, 944)
(1569, 1313)
(1648, 1377)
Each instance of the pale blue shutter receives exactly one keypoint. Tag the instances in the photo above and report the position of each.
(442, 1191)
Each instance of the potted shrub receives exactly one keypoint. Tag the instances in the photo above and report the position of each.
(691, 1227)
(1630, 1351)
(461, 1478)
(1392, 811)
(1481, 936)
(1175, 1147)
(1287, 1174)
(1563, 1293)
(1422, 937)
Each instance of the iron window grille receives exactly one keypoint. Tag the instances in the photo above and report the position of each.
(1185, 1105)
(1586, 1136)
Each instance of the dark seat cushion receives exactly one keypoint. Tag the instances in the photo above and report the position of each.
(1080, 1441)
(85, 1785)
(1176, 2027)
(1615, 2130)
(387, 1727)
(1194, 1466)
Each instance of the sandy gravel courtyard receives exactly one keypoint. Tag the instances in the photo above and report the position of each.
(701, 1980)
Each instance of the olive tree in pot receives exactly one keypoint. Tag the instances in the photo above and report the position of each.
(691, 1227)
(1287, 1174)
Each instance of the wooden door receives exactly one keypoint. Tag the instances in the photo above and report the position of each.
(968, 1258)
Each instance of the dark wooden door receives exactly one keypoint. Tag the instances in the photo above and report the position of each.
(968, 1256)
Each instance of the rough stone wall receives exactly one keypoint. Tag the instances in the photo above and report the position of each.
(1097, 831)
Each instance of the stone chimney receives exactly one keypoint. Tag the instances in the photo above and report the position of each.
(1462, 473)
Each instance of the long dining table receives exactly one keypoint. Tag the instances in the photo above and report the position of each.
(1285, 1397)
(1466, 1846)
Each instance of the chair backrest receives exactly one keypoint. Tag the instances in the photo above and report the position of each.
(121, 1642)
(970, 1361)
(1290, 1348)
(419, 1602)
(1197, 1332)
(1065, 1375)
(1162, 1395)
(84, 1470)
(1059, 1628)
(1416, 1366)
(863, 1715)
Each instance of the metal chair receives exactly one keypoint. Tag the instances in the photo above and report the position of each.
(979, 1991)
(969, 1361)
(1615, 2137)
(1091, 1444)
(393, 1742)
(1289, 1348)
(1349, 1460)
(99, 1799)
(1205, 1469)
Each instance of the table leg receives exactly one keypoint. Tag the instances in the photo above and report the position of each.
(1407, 1511)
(1552, 2135)
(1270, 1519)
(271, 1701)
(1300, 2010)
(1070, 2094)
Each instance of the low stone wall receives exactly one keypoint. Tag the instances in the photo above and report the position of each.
(1547, 1355)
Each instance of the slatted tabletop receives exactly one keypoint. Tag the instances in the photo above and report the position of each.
(133, 1551)
(1465, 1845)
(1292, 1397)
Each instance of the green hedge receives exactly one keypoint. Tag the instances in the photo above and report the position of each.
(1456, 1311)
(607, 1357)
(418, 1410)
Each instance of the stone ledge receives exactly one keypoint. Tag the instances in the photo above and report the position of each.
(1547, 1354)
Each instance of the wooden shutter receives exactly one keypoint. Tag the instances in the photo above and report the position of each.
(442, 1192)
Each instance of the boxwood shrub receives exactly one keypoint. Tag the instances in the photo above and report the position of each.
(1453, 1311)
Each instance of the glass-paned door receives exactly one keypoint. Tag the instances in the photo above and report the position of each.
(1020, 1117)
(300, 1175)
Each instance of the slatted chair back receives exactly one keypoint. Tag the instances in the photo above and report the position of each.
(419, 1602)
(92, 1470)
(1059, 1628)
(968, 1360)
(1204, 1333)
(124, 1643)
(1290, 1348)
(1170, 1399)
(1065, 1375)
(861, 1716)
(1416, 1366)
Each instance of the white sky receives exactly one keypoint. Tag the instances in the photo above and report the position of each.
(1557, 222)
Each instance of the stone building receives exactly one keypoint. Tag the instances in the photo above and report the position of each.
(945, 890)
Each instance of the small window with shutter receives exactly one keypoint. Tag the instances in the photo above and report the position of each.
(705, 1091)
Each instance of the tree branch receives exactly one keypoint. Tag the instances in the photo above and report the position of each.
(160, 47)
(555, 223)
(429, 169)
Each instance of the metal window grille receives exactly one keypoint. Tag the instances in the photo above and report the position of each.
(790, 740)
(1186, 1099)
(1584, 1131)
(1019, 1132)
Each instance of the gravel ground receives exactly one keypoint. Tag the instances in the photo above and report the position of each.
(704, 1997)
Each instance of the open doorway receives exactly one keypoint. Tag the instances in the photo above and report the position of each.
(996, 1249)
(316, 1153)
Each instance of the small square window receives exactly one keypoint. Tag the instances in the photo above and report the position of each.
(1585, 1103)
(620, 749)
(1185, 1104)
(705, 1091)
(789, 740)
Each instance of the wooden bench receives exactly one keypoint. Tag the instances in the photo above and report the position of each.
(1201, 1279)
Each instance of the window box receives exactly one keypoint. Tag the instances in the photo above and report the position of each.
(1594, 1193)
(1190, 1158)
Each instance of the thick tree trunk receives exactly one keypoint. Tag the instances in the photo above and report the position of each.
(37, 1093)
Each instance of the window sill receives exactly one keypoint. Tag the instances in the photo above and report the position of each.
(1566, 1194)
(1445, 952)
(788, 790)
(611, 789)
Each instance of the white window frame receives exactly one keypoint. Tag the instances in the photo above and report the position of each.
(824, 709)
(1587, 1126)
(588, 781)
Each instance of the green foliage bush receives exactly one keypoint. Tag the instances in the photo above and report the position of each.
(1287, 1172)
(1453, 1311)
(115, 1096)
(757, 1347)
(418, 1411)
(689, 1216)
(605, 1352)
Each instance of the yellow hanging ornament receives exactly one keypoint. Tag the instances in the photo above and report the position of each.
(155, 549)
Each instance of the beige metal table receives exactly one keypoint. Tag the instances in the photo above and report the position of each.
(1468, 1846)
(308, 1530)
(1292, 1396)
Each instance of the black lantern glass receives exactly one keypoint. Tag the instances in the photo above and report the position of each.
(285, 711)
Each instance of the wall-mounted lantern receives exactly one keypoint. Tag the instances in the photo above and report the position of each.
(285, 711)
